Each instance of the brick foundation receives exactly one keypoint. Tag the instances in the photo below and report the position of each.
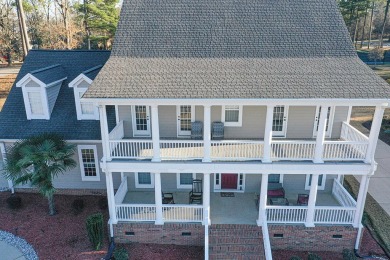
(319, 238)
(168, 233)
(77, 192)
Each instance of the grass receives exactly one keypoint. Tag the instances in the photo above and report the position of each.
(375, 218)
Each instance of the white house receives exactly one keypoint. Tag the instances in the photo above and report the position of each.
(249, 100)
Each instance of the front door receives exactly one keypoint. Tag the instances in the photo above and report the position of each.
(329, 121)
(229, 181)
(279, 123)
(141, 120)
(185, 115)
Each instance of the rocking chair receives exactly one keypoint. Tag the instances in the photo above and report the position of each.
(196, 195)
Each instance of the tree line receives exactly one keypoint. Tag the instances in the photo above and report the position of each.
(57, 24)
(366, 20)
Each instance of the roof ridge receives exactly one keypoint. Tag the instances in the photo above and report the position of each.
(45, 68)
(92, 69)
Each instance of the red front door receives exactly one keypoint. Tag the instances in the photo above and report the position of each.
(229, 181)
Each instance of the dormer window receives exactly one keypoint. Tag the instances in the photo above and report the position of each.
(40, 89)
(85, 110)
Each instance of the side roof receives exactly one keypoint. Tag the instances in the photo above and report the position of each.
(234, 49)
(14, 124)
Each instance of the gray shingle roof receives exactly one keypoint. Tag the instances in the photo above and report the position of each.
(49, 74)
(14, 124)
(234, 49)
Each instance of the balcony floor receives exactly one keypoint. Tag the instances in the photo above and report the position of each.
(240, 209)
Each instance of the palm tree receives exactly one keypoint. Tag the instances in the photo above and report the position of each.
(38, 160)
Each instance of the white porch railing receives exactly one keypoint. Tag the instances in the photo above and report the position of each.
(293, 150)
(181, 149)
(286, 214)
(135, 212)
(121, 192)
(344, 150)
(237, 150)
(350, 133)
(334, 215)
(342, 195)
(182, 213)
(118, 132)
(131, 149)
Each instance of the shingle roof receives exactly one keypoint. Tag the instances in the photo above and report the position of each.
(14, 124)
(234, 49)
(49, 74)
(92, 72)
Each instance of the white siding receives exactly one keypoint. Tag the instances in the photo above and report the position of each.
(32, 84)
(300, 121)
(167, 119)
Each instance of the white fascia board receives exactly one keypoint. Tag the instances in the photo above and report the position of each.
(254, 102)
(28, 77)
(248, 168)
(78, 80)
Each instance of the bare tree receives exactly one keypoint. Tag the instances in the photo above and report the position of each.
(64, 11)
(23, 28)
(384, 24)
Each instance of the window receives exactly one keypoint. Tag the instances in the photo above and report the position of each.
(275, 178)
(144, 180)
(88, 163)
(184, 180)
(232, 115)
(86, 110)
(321, 181)
(35, 101)
(279, 122)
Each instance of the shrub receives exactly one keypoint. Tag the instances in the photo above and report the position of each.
(121, 254)
(102, 203)
(348, 255)
(313, 256)
(95, 230)
(78, 206)
(14, 202)
(295, 258)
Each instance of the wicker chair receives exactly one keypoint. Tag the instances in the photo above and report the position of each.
(217, 130)
(197, 130)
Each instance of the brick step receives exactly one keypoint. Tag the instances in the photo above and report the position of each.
(233, 256)
(237, 248)
(234, 240)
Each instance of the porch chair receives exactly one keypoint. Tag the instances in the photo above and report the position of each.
(167, 198)
(217, 130)
(197, 130)
(196, 195)
(303, 199)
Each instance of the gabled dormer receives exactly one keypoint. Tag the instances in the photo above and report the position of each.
(40, 90)
(85, 110)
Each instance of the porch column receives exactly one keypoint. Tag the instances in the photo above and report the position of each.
(361, 200)
(374, 133)
(206, 198)
(104, 133)
(263, 199)
(207, 133)
(321, 135)
(312, 201)
(268, 134)
(111, 198)
(155, 134)
(158, 199)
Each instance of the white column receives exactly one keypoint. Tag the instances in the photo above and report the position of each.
(263, 199)
(158, 198)
(361, 200)
(268, 134)
(312, 201)
(122, 176)
(111, 198)
(155, 134)
(206, 198)
(207, 134)
(4, 155)
(374, 133)
(104, 132)
(321, 135)
(349, 114)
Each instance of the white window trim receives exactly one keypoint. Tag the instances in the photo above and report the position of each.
(239, 123)
(134, 123)
(178, 121)
(143, 186)
(320, 187)
(328, 133)
(83, 177)
(76, 91)
(184, 186)
(282, 134)
(240, 188)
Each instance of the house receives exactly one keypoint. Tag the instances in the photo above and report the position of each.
(223, 124)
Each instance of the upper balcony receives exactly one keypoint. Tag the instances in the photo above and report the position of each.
(295, 134)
